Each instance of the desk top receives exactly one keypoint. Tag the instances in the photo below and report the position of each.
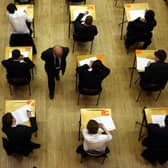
(29, 8)
(90, 113)
(13, 105)
(83, 57)
(23, 50)
(81, 9)
(155, 111)
(132, 9)
(143, 57)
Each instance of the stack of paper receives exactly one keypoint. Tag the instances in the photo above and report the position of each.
(158, 119)
(21, 114)
(77, 12)
(87, 61)
(107, 122)
(24, 53)
(143, 62)
(136, 13)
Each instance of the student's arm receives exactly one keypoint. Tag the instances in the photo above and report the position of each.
(104, 73)
(77, 22)
(44, 55)
(33, 122)
(106, 131)
(27, 17)
(29, 63)
(82, 68)
(79, 17)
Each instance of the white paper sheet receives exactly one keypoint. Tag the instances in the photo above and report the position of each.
(158, 119)
(107, 121)
(21, 114)
(87, 61)
(77, 12)
(136, 13)
(24, 53)
(143, 62)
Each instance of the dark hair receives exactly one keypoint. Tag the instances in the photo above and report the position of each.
(6, 121)
(149, 15)
(92, 127)
(11, 8)
(97, 67)
(166, 120)
(89, 20)
(161, 54)
(15, 54)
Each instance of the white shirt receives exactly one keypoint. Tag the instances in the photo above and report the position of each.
(18, 21)
(97, 141)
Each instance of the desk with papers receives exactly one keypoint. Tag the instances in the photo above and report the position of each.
(141, 60)
(19, 108)
(132, 12)
(101, 115)
(153, 116)
(75, 10)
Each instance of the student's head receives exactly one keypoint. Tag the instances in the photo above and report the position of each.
(160, 55)
(149, 15)
(97, 66)
(11, 8)
(166, 120)
(7, 120)
(16, 54)
(58, 51)
(89, 20)
(92, 127)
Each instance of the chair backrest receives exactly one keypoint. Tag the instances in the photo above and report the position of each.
(154, 87)
(23, 1)
(76, 0)
(95, 153)
(18, 81)
(82, 38)
(87, 91)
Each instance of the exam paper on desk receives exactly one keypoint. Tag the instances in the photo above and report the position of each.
(136, 14)
(24, 53)
(87, 61)
(21, 114)
(143, 62)
(158, 119)
(107, 122)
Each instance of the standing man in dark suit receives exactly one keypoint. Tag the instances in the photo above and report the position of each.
(55, 60)
(157, 72)
(18, 66)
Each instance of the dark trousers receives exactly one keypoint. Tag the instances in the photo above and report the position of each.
(51, 80)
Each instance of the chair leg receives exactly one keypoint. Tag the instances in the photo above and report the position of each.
(91, 47)
(78, 99)
(116, 2)
(139, 95)
(103, 159)
(10, 89)
(73, 46)
(29, 88)
(98, 98)
(158, 95)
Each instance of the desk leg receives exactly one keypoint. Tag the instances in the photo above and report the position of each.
(132, 71)
(116, 2)
(76, 81)
(79, 129)
(122, 24)
(69, 25)
(33, 28)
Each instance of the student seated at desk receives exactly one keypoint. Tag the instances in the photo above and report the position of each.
(156, 143)
(140, 30)
(18, 66)
(96, 137)
(19, 20)
(157, 72)
(18, 136)
(84, 31)
(90, 77)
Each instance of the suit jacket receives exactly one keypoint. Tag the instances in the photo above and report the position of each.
(17, 68)
(156, 73)
(89, 80)
(19, 137)
(137, 28)
(83, 32)
(48, 57)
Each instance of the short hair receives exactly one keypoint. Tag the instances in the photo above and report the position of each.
(89, 20)
(161, 54)
(92, 127)
(16, 54)
(149, 15)
(11, 8)
(6, 121)
(166, 120)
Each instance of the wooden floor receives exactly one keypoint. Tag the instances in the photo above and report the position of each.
(58, 118)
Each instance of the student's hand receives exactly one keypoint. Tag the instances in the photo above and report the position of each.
(90, 63)
(149, 63)
(142, 19)
(101, 125)
(21, 57)
(86, 12)
(28, 113)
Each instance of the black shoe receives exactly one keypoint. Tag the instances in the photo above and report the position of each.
(57, 77)
(35, 145)
(51, 95)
